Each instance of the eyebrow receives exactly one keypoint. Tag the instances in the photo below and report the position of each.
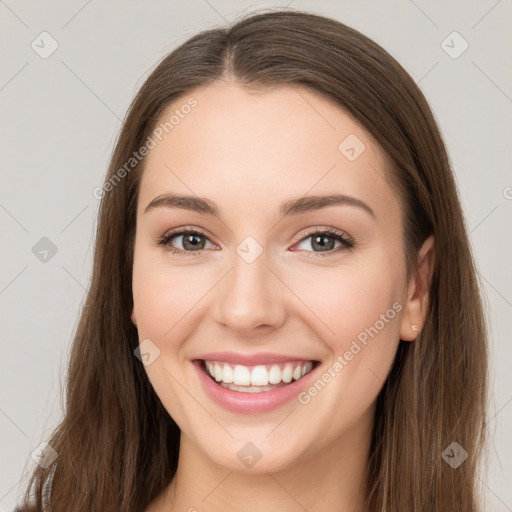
(291, 207)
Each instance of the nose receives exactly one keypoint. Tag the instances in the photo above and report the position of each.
(251, 299)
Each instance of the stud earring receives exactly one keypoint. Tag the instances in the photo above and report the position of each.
(414, 328)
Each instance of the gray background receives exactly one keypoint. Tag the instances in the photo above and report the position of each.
(60, 117)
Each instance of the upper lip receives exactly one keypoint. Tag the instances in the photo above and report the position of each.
(251, 359)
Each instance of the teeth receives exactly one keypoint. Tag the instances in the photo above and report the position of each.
(242, 376)
(287, 374)
(248, 389)
(274, 375)
(227, 374)
(258, 377)
(218, 373)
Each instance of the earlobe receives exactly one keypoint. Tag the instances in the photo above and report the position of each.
(418, 293)
(134, 319)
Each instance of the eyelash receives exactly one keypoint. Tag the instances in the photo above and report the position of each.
(346, 241)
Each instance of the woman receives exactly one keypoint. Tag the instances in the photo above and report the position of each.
(283, 312)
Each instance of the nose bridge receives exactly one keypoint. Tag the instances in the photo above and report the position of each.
(249, 297)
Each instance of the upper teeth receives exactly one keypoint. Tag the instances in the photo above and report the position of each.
(257, 375)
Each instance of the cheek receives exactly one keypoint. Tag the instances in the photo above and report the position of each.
(163, 296)
(169, 304)
(350, 300)
(358, 310)
(165, 301)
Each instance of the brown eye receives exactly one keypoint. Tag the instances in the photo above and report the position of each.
(325, 242)
(191, 241)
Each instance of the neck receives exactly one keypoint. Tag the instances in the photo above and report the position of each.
(332, 478)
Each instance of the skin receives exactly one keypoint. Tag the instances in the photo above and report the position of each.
(248, 152)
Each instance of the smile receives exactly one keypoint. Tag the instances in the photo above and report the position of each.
(254, 379)
(257, 388)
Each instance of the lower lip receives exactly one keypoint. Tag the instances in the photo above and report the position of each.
(251, 403)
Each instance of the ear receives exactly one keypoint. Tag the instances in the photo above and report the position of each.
(418, 292)
(134, 319)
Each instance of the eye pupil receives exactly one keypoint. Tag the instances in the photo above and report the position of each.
(322, 244)
(194, 245)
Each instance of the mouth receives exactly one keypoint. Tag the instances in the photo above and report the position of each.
(253, 383)
(257, 378)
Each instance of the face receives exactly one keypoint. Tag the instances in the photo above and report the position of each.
(263, 279)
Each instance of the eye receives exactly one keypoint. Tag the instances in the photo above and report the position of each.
(325, 241)
(192, 241)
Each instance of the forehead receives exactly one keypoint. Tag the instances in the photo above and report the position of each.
(250, 150)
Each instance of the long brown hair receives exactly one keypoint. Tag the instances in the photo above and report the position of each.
(118, 447)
